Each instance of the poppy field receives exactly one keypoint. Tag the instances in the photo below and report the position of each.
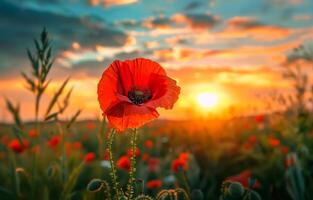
(263, 156)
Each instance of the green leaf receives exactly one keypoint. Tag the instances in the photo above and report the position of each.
(56, 97)
(6, 192)
(53, 115)
(31, 83)
(70, 183)
(15, 111)
(73, 119)
(66, 100)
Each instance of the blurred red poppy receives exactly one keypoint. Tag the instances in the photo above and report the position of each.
(130, 91)
(184, 156)
(284, 149)
(259, 118)
(89, 157)
(251, 141)
(124, 163)
(290, 161)
(91, 125)
(36, 149)
(77, 145)
(33, 133)
(145, 157)
(149, 144)
(244, 177)
(18, 147)
(154, 184)
(274, 142)
(106, 155)
(178, 165)
(153, 164)
(54, 141)
(137, 152)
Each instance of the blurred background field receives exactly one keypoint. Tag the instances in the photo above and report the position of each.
(243, 149)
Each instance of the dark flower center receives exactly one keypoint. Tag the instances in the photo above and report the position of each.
(139, 96)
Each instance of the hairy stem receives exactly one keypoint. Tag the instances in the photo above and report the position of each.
(113, 173)
(132, 172)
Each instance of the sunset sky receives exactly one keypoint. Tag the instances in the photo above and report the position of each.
(233, 49)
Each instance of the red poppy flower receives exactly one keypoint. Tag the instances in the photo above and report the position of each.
(36, 149)
(17, 146)
(106, 155)
(124, 163)
(54, 141)
(91, 125)
(290, 161)
(145, 157)
(274, 142)
(89, 157)
(153, 164)
(259, 118)
(179, 164)
(77, 145)
(137, 152)
(149, 144)
(33, 133)
(250, 142)
(252, 139)
(130, 91)
(284, 149)
(244, 178)
(154, 184)
(183, 156)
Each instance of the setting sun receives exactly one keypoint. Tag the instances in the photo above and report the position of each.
(207, 100)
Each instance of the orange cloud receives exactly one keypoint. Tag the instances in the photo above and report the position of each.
(109, 3)
(302, 17)
(203, 21)
(246, 27)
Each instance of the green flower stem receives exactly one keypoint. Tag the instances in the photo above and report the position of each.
(132, 172)
(113, 173)
(186, 182)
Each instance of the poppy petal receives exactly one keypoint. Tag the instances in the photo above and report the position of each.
(165, 92)
(142, 69)
(125, 115)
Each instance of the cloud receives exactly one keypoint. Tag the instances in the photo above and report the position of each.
(304, 17)
(193, 5)
(291, 2)
(247, 27)
(158, 23)
(19, 25)
(196, 21)
(109, 3)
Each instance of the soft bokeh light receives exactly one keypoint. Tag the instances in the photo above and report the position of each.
(207, 100)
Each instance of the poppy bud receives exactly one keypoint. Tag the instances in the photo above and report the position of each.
(95, 185)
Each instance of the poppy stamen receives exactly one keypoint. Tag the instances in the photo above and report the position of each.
(139, 97)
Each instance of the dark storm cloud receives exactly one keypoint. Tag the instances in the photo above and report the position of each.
(18, 27)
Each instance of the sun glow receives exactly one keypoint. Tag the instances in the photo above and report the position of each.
(207, 100)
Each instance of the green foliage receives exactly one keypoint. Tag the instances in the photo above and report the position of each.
(235, 191)
(70, 183)
(294, 178)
